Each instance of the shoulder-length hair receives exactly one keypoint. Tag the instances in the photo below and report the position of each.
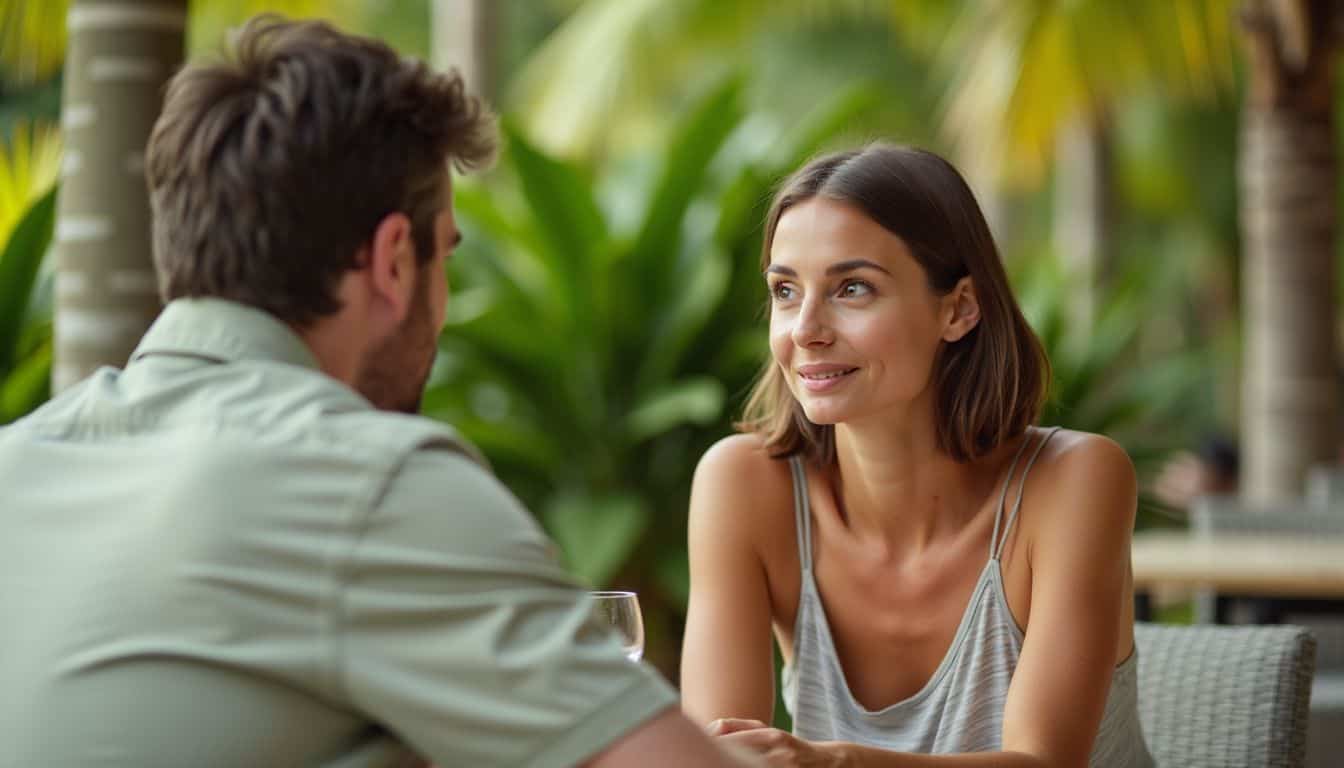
(991, 383)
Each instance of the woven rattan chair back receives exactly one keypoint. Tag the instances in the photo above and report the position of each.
(1225, 697)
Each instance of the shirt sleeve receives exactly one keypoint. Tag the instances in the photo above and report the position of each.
(460, 632)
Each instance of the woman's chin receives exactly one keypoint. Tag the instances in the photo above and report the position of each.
(823, 415)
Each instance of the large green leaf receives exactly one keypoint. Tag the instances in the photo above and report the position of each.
(687, 316)
(19, 264)
(517, 249)
(569, 222)
(697, 401)
(27, 386)
(467, 367)
(496, 315)
(576, 239)
(596, 534)
(514, 440)
(695, 143)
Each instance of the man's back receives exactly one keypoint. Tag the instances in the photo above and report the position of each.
(218, 561)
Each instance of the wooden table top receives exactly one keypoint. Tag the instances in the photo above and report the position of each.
(1240, 563)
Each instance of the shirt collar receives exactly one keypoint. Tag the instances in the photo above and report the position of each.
(223, 331)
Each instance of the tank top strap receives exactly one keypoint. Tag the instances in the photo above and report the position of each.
(1003, 495)
(802, 512)
(996, 543)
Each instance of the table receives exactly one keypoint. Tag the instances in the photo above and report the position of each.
(1255, 577)
(1254, 564)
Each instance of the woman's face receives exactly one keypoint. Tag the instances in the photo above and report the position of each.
(854, 325)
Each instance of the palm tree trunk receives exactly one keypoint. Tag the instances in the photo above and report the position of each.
(1289, 178)
(463, 36)
(119, 57)
(1083, 210)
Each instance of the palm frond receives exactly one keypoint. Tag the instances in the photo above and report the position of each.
(211, 19)
(32, 39)
(29, 165)
(582, 71)
(1019, 69)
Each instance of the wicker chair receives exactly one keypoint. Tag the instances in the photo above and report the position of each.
(1324, 618)
(1225, 697)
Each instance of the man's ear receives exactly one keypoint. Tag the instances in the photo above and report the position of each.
(965, 310)
(391, 265)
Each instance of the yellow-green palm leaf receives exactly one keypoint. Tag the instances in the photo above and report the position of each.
(602, 72)
(29, 164)
(1016, 69)
(32, 38)
(209, 19)
(1019, 69)
(33, 32)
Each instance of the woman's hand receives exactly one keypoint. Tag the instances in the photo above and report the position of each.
(779, 748)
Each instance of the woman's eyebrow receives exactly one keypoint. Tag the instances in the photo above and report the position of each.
(853, 264)
(843, 266)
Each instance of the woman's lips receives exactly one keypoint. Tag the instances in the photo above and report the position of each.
(822, 378)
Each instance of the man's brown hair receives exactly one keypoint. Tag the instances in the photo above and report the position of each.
(269, 169)
(991, 383)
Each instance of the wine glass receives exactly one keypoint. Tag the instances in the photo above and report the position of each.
(621, 610)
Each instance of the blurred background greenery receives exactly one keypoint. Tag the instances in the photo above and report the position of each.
(607, 315)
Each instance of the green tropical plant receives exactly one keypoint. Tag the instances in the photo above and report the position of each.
(1104, 380)
(25, 312)
(1019, 70)
(29, 163)
(576, 109)
(34, 35)
(1016, 70)
(607, 329)
(32, 38)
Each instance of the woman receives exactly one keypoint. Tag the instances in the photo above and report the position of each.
(940, 576)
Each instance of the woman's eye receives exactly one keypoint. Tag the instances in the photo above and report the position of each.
(781, 291)
(855, 288)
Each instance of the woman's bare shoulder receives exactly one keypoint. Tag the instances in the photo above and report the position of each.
(1071, 455)
(1081, 472)
(741, 456)
(739, 472)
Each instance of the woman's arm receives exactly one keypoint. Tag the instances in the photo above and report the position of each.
(1081, 617)
(727, 664)
(1080, 505)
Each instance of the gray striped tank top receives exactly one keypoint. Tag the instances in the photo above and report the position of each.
(960, 709)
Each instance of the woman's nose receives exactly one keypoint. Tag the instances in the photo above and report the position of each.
(812, 327)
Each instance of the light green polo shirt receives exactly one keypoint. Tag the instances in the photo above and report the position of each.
(220, 556)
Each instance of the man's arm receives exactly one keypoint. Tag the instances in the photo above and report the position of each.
(456, 628)
(670, 740)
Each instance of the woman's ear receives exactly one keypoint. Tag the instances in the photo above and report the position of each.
(392, 271)
(964, 310)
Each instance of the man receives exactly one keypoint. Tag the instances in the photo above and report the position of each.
(235, 551)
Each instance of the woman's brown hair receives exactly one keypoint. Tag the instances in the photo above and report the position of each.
(991, 383)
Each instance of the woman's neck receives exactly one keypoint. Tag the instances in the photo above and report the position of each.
(899, 490)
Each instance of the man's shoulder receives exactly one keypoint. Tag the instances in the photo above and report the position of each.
(273, 403)
(313, 404)
(409, 434)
